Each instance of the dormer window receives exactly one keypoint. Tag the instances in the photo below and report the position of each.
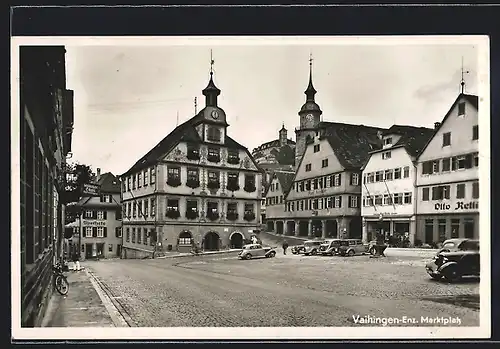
(388, 141)
(386, 155)
(213, 134)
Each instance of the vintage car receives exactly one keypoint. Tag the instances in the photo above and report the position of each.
(351, 247)
(256, 251)
(454, 264)
(311, 247)
(459, 244)
(298, 249)
(329, 247)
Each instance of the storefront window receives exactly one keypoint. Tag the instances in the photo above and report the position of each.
(442, 230)
(455, 228)
(429, 231)
(469, 228)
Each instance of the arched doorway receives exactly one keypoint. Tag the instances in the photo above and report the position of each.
(211, 241)
(185, 241)
(236, 239)
(290, 228)
(270, 226)
(279, 227)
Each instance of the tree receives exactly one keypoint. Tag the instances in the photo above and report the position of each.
(76, 175)
(286, 156)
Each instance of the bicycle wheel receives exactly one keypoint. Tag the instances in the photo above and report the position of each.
(61, 284)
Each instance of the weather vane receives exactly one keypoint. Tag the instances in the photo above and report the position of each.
(462, 80)
(310, 58)
(211, 63)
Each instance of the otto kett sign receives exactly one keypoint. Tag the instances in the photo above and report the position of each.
(459, 205)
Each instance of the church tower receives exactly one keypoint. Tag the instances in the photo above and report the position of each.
(310, 117)
(283, 136)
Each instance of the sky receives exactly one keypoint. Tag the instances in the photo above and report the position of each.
(128, 98)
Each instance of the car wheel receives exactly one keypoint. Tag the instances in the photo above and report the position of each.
(452, 274)
(373, 251)
(314, 252)
(350, 253)
(248, 256)
(272, 254)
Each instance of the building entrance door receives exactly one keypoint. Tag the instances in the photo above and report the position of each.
(88, 251)
(100, 250)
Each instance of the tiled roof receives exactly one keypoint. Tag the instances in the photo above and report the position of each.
(183, 133)
(415, 140)
(351, 143)
(286, 180)
(109, 183)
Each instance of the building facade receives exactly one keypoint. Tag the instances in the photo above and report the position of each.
(99, 230)
(197, 186)
(448, 176)
(46, 125)
(275, 194)
(388, 191)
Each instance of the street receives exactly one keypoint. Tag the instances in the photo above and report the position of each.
(286, 290)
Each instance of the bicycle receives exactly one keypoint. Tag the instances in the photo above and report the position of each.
(60, 282)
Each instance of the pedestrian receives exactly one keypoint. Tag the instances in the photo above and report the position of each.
(285, 246)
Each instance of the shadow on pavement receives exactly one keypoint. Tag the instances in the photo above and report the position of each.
(467, 301)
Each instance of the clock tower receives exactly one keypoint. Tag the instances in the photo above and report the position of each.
(310, 117)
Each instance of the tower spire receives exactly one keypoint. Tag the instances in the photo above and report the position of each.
(310, 91)
(211, 91)
(462, 80)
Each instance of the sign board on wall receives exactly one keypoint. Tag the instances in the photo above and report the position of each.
(459, 205)
(94, 223)
(91, 190)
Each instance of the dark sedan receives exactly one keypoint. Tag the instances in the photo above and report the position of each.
(456, 263)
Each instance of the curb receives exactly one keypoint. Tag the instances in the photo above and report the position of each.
(116, 315)
(199, 255)
(429, 250)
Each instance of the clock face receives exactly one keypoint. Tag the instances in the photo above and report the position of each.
(309, 117)
(215, 114)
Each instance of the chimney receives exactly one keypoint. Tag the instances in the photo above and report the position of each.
(436, 125)
(98, 175)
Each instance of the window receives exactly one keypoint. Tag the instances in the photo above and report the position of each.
(441, 192)
(337, 180)
(152, 175)
(118, 232)
(233, 157)
(463, 162)
(127, 234)
(314, 204)
(442, 229)
(128, 183)
(476, 159)
(378, 199)
(193, 151)
(338, 201)
(388, 175)
(88, 232)
(139, 180)
(315, 183)
(153, 207)
(469, 228)
(277, 186)
(475, 190)
(101, 214)
(455, 228)
(429, 231)
(249, 209)
(475, 132)
(461, 108)
(89, 214)
(192, 174)
(145, 178)
(133, 235)
(324, 163)
(445, 165)
(397, 173)
(213, 154)
(308, 167)
(173, 205)
(174, 173)
(386, 155)
(387, 199)
(133, 181)
(398, 199)
(427, 167)
(106, 198)
(100, 232)
(134, 209)
(371, 177)
(145, 236)
(185, 238)
(213, 179)
(406, 171)
(425, 194)
(249, 183)
(446, 139)
(129, 209)
(435, 166)
(353, 200)
(316, 148)
(146, 208)
(212, 207)
(379, 176)
(388, 141)
(308, 185)
(461, 191)
(213, 134)
(407, 198)
(354, 179)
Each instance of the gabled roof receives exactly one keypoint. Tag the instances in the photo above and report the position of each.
(351, 143)
(415, 141)
(109, 183)
(472, 99)
(185, 132)
(285, 179)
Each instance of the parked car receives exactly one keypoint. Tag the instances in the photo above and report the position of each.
(453, 265)
(256, 251)
(298, 249)
(351, 247)
(457, 244)
(311, 247)
(329, 247)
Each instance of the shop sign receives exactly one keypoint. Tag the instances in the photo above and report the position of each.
(91, 190)
(460, 205)
(94, 223)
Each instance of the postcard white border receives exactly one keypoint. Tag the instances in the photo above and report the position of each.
(262, 333)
